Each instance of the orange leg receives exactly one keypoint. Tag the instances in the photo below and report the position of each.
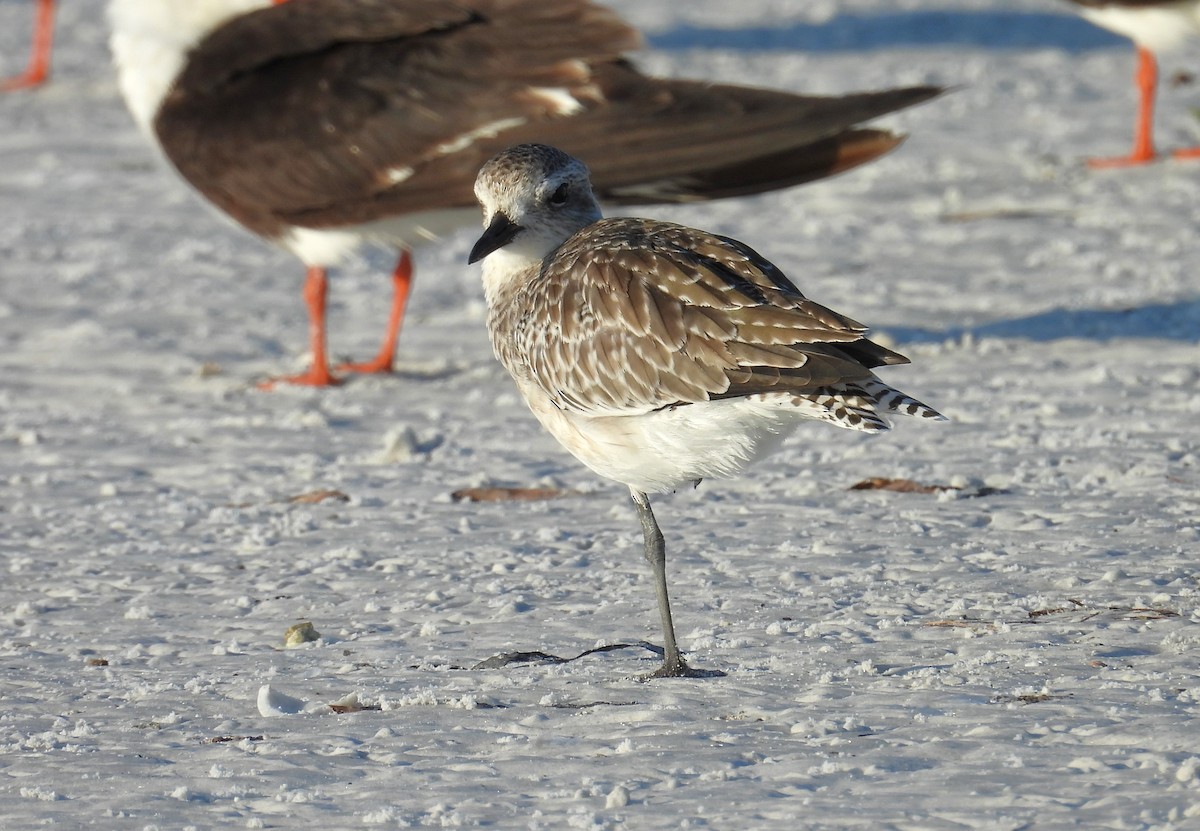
(39, 59)
(316, 287)
(401, 285)
(1143, 138)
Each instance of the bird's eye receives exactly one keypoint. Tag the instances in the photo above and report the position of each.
(559, 197)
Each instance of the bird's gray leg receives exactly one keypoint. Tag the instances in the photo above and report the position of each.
(656, 555)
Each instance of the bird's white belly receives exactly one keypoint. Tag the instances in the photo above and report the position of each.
(329, 247)
(667, 449)
(1157, 29)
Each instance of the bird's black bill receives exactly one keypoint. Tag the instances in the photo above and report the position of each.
(497, 235)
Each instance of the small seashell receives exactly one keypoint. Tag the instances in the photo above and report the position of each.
(300, 633)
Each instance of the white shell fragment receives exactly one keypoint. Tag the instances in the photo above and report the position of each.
(300, 633)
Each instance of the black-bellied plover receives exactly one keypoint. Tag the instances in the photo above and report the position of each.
(325, 124)
(659, 355)
(1154, 26)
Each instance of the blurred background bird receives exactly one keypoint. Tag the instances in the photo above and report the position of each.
(1154, 26)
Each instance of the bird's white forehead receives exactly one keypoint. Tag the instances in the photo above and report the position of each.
(517, 174)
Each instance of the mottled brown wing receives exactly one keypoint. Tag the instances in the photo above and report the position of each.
(634, 315)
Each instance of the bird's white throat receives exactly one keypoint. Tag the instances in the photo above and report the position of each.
(505, 268)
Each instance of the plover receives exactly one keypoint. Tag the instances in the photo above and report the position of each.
(659, 355)
(1154, 26)
(39, 51)
(324, 124)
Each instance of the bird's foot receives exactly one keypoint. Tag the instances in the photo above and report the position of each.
(314, 377)
(678, 668)
(26, 80)
(379, 365)
(1187, 154)
(1132, 160)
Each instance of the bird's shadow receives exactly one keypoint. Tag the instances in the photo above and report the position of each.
(1178, 321)
(505, 659)
(912, 29)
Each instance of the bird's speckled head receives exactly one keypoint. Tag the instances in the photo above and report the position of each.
(534, 197)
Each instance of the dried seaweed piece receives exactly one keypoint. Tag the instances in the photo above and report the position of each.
(499, 494)
(224, 739)
(1075, 605)
(1029, 698)
(884, 483)
(314, 497)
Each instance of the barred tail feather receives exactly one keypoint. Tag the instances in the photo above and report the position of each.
(841, 408)
(862, 406)
(892, 400)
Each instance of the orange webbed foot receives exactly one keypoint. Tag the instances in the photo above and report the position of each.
(314, 377)
(1132, 160)
(379, 365)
